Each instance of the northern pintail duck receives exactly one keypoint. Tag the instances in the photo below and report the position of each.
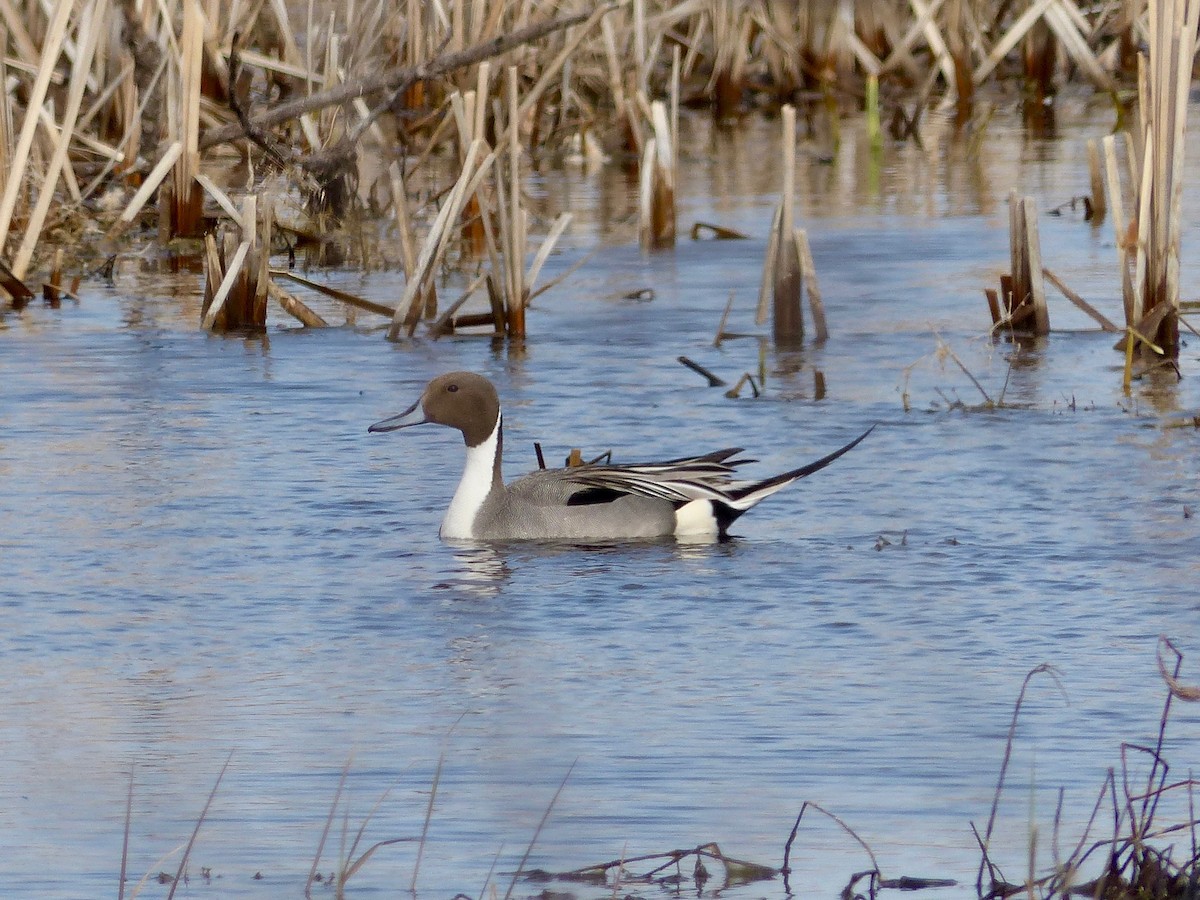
(693, 495)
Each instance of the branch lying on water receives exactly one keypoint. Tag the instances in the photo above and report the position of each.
(738, 871)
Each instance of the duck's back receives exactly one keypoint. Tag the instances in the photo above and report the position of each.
(548, 505)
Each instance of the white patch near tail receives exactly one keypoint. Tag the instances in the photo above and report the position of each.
(473, 488)
(696, 517)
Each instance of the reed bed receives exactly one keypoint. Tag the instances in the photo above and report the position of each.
(138, 102)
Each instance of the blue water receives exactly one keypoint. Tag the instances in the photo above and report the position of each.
(204, 555)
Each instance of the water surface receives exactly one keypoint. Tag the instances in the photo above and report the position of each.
(204, 553)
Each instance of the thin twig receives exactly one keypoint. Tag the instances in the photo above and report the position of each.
(537, 831)
(187, 850)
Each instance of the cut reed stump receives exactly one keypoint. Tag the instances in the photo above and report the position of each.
(181, 203)
(1021, 302)
(788, 260)
(236, 273)
(656, 198)
(1163, 86)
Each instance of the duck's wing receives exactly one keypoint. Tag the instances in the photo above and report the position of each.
(674, 481)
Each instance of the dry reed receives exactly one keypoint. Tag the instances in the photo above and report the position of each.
(187, 77)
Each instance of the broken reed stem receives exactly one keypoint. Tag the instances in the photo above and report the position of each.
(183, 200)
(1096, 177)
(1163, 93)
(724, 318)
(786, 277)
(1105, 323)
(350, 299)
(1117, 207)
(293, 306)
(985, 840)
(1025, 290)
(438, 238)
(515, 252)
(764, 289)
(228, 280)
(402, 77)
(88, 32)
(808, 275)
(656, 198)
(15, 178)
(196, 831)
(536, 832)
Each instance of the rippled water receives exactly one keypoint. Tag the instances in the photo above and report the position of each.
(203, 553)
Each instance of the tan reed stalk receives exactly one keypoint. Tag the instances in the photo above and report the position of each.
(157, 175)
(787, 279)
(640, 58)
(228, 281)
(1032, 15)
(223, 199)
(473, 126)
(1096, 176)
(656, 198)
(901, 56)
(130, 113)
(725, 86)
(551, 71)
(1117, 206)
(515, 251)
(415, 52)
(330, 119)
(1028, 294)
(15, 21)
(764, 289)
(448, 321)
(6, 119)
(252, 286)
(183, 200)
(294, 307)
(1163, 105)
(349, 299)
(51, 46)
(88, 30)
(721, 334)
(1105, 323)
(52, 288)
(437, 240)
(48, 145)
(808, 275)
(676, 75)
(408, 253)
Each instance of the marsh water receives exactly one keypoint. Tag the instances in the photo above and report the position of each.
(204, 555)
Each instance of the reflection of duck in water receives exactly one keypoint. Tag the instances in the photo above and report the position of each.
(694, 495)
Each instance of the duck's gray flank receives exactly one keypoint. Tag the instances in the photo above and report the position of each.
(691, 495)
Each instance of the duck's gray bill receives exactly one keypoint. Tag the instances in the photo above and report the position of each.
(398, 421)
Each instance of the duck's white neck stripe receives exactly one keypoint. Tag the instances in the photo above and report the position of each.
(478, 478)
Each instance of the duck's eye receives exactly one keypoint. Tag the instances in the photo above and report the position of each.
(453, 388)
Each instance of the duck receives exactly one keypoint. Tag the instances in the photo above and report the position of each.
(688, 497)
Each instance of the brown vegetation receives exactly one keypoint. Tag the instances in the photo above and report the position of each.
(118, 104)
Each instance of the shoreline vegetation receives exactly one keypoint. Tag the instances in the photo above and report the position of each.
(1140, 843)
(232, 133)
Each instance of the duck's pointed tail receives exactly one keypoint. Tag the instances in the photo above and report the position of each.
(743, 498)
